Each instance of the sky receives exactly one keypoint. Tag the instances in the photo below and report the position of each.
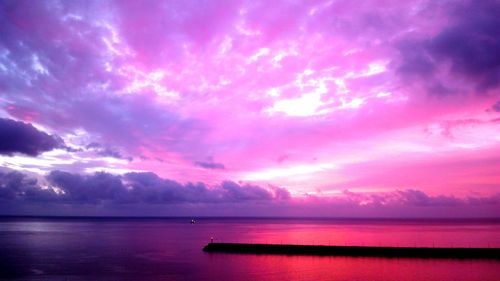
(250, 108)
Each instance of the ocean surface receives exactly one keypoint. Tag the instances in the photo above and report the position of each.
(171, 249)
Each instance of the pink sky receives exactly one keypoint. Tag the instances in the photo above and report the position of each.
(320, 98)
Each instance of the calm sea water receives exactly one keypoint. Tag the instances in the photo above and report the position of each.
(170, 249)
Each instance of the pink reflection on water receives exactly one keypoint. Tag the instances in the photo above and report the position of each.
(271, 267)
(170, 249)
(409, 234)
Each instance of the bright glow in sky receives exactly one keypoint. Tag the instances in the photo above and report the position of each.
(310, 97)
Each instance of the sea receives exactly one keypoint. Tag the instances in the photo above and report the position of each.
(82, 248)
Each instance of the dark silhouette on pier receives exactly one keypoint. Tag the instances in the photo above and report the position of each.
(355, 251)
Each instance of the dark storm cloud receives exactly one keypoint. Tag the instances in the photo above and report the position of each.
(469, 45)
(19, 137)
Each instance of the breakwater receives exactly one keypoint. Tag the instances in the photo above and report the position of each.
(355, 251)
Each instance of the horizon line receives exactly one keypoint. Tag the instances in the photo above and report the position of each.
(250, 217)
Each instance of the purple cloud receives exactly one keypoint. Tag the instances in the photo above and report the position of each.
(119, 193)
(408, 197)
(106, 151)
(209, 164)
(131, 188)
(22, 188)
(20, 137)
(469, 44)
(496, 106)
(151, 189)
(89, 189)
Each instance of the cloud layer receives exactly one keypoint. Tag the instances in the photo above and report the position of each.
(467, 47)
(131, 188)
(19, 137)
(112, 193)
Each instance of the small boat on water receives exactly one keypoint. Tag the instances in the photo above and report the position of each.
(193, 221)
